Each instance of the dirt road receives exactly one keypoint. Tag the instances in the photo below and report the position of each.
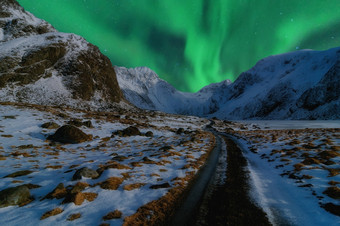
(225, 199)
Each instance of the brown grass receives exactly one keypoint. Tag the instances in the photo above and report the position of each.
(54, 167)
(59, 192)
(50, 213)
(333, 172)
(79, 198)
(116, 214)
(74, 216)
(158, 212)
(130, 187)
(111, 183)
(333, 192)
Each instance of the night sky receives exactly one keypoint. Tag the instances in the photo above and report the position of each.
(192, 43)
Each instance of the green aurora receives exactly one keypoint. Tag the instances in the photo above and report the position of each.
(192, 43)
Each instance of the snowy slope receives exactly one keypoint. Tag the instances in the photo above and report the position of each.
(298, 85)
(138, 161)
(42, 66)
(280, 87)
(142, 87)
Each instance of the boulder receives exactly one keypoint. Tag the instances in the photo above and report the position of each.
(70, 134)
(85, 172)
(19, 195)
(130, 131)
(149, 134)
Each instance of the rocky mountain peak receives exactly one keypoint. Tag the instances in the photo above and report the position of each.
(42, 66)
(15, 22)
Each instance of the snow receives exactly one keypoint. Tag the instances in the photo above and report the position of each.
(2, 36)
(289, 124)
(275, 84)
(274, 157)
(22, 126)
(24, 15)
(142, 87)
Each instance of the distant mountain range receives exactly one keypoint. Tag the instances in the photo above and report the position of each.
(298, 85)
(40, 65)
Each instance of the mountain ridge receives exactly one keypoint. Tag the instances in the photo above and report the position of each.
(298, 85)
(40, 65)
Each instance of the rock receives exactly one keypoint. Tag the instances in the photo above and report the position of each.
(79, 123)
(332, 208)
(50, 125)
(329, 154)
(75, 122)
(58, 193)
(85, 172)
(88, 124)
(180, 131)
(79, 197)
(149, 134)
(70, 134)
(130, 131)
(19, 173)
(158, 186)
(19, 195)
(45, 56)
(333, 192)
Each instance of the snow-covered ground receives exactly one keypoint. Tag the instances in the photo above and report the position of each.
(292, 171)
(139, 161)
(289, 124)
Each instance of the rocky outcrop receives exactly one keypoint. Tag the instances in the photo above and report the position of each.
(42, 66)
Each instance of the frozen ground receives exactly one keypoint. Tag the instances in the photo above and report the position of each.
(146, 167)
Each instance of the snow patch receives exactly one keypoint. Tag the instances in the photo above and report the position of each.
(2, 36)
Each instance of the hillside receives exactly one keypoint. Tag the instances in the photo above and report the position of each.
(43, 66)
(298, 85)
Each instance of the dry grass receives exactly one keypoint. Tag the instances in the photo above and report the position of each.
(111, 183)
(333, 192)
(50, 213)
(74, 216)
(116, 214)
(130, 187)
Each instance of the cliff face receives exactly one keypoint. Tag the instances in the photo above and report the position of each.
(42, 66)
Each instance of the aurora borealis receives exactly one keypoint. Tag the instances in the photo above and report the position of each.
(192, 43)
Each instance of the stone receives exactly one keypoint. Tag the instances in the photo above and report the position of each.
(85, 172)
(130, 131)
(70, 134)
(50, 125)
(149, 134)
(19, 195)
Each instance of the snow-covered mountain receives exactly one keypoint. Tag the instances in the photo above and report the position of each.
(142, 87)
(42, 66)
(298, 85)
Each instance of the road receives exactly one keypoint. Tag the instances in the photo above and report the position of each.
(220, 194)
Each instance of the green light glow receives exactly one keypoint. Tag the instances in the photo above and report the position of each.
(192, 43)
